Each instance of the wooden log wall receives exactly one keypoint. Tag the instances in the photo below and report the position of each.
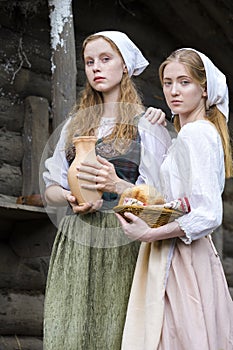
(11, 122)
(21, 149)
(25, 248)
(26, 244)
(25, 86)
(26, 237)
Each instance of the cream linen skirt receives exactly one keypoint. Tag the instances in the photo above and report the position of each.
(193, 309)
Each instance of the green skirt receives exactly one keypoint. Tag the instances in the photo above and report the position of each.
(88, 285)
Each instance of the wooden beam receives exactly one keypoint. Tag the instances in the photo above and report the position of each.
(63, 60)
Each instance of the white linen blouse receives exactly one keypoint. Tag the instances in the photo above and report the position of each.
(194, 167)
(155, 141)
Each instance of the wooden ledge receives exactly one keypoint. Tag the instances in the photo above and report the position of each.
(9, 209)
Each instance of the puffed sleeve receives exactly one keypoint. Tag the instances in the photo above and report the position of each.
(57, 166)
(198, 165)
(155, 141)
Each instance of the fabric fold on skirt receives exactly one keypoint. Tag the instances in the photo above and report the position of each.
(145, 311)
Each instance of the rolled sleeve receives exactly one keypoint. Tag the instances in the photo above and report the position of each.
(196, 170)
(56, 166)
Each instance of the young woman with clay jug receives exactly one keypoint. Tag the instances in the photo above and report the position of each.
(92, 262)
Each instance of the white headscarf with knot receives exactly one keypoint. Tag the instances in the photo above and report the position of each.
(217, 90)
(132, 56)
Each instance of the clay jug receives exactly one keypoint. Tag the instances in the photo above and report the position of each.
(85, 150)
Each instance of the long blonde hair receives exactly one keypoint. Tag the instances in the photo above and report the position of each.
(194, 65)
(87, 113)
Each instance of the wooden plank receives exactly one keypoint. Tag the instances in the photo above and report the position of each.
(21, 211)
(9, 209)
(35, 136)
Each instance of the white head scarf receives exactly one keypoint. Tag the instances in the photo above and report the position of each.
(133, 58)
(217, 90)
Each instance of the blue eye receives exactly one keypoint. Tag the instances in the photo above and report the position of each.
(89, 62)
(184, 82)
(105, 59)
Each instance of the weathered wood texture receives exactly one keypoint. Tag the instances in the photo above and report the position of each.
(25, 64)
(10, 179)
(23, 82)
(20, 343)
(21, 313)
(21, 153)
(11, 147)
(28, 82)
(63, 68)
(11, 113)
(11, 160)
(35, 136)
(29, 243)
(19, 273)
(25, 248)
(227, 219)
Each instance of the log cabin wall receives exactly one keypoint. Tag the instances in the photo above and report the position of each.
(26, 232)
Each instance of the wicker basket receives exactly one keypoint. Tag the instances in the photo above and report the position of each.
(153, 215)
